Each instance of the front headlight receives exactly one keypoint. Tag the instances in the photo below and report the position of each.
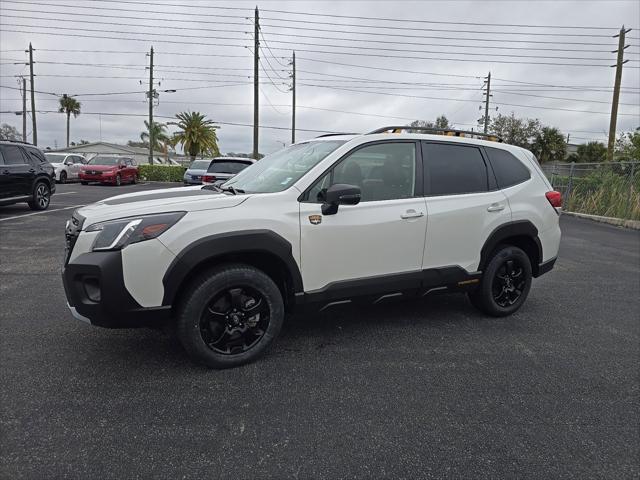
(117, 234)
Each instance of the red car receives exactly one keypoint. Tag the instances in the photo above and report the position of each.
(111, 170)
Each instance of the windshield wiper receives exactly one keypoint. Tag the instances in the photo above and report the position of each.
(231, 189)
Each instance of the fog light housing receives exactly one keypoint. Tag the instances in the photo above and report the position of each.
(92, 289)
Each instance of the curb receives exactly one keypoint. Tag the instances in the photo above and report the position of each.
(618, 222)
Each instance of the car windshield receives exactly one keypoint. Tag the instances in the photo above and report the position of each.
(280, 170)
(227, 166)
(199, 165)
(104, 161)
(54, 157)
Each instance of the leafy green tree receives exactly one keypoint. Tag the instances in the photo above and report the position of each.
(69, 106)
(592, 152)
(196, 134)
(8, 132)
(516, 131)
(549, 145)
(627, 146)
(441, 122)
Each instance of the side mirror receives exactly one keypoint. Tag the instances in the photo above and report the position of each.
(68, 162)
(121, 166)
(340, 194)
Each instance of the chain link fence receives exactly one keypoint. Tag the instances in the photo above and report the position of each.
(610, 189)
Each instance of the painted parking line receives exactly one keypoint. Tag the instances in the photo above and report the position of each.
(39, 213)
(64, 193)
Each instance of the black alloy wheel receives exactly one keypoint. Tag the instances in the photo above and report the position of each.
(229, 315)
(234, 320)
(63, 177)
(508, 283)
(41, 197)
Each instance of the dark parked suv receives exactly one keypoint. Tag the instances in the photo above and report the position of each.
(25, 175)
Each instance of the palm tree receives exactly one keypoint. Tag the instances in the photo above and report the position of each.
(69, 105)
(155, 135)
(197, 135)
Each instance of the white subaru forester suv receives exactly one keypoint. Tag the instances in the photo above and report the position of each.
(338, 219)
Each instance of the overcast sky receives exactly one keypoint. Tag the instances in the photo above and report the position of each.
(215, 77)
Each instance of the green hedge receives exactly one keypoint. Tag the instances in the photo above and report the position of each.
(161, 173)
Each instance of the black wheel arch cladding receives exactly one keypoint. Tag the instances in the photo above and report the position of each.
(255, 246)
(522, 234)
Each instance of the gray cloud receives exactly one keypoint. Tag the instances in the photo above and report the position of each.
(239, 138)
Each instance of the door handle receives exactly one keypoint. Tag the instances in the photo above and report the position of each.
(411, 214)
(495, 207)
(32, 170)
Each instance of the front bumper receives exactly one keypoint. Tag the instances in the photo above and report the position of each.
(95, 290)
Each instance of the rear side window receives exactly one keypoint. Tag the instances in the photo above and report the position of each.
(1, 158)
(454, 169)
(12, 155)
(227, 167)
(35, 157)
(508, 169)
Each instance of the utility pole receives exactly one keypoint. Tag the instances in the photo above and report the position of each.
(151, 99)
(33, 98)
(293, 100)
(616, 92)
(256, 90)
(24, 109)
(486, 104)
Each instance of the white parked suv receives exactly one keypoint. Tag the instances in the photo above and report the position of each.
(338, 219)
(66, 166)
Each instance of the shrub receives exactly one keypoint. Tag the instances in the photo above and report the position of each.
(161, 173)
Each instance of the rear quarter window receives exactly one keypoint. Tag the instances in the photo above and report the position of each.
(508, 169)
(12, 155)
(452, 169)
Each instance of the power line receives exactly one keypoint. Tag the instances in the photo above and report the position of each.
(425, 29)
(437, 37)
(393, 42)
(116, 9)
(420, 21)
(462, 100)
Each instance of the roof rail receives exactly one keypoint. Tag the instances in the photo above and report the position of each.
(14, 141)
(450, 132)
(335, 134)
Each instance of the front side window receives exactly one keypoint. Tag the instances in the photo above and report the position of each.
(79, 160)
(508, 169)
(280, 170)
(12, 155)
(453, 169)
(385, 171)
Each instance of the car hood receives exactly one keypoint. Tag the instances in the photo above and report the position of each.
(158, 201)
(55, 164)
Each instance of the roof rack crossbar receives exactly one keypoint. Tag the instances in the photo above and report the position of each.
(442, 131)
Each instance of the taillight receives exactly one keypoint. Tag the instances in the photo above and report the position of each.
(208, 178)
(555, 198)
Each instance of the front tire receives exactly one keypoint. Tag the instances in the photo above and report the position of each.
(63, 177)
(84, 183)
(118, 180)
(41, 197)
(230, 317)
(505, 283)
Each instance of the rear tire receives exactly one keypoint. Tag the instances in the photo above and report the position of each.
(230, 316)
(84, 183)
(505, 284)
(134, 180)
(63, 177)
(41, 196)
(118, 180)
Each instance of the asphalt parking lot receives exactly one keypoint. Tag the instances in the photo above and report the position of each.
(426, 389)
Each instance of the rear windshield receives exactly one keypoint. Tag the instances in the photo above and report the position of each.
(54, 157)
(227, 166)
(200, 164)
(104, 161)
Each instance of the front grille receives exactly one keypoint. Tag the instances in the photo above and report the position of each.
(71, 233)
(94, 172)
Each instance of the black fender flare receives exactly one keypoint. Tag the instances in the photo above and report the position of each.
(219, 245)
(519, 228)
